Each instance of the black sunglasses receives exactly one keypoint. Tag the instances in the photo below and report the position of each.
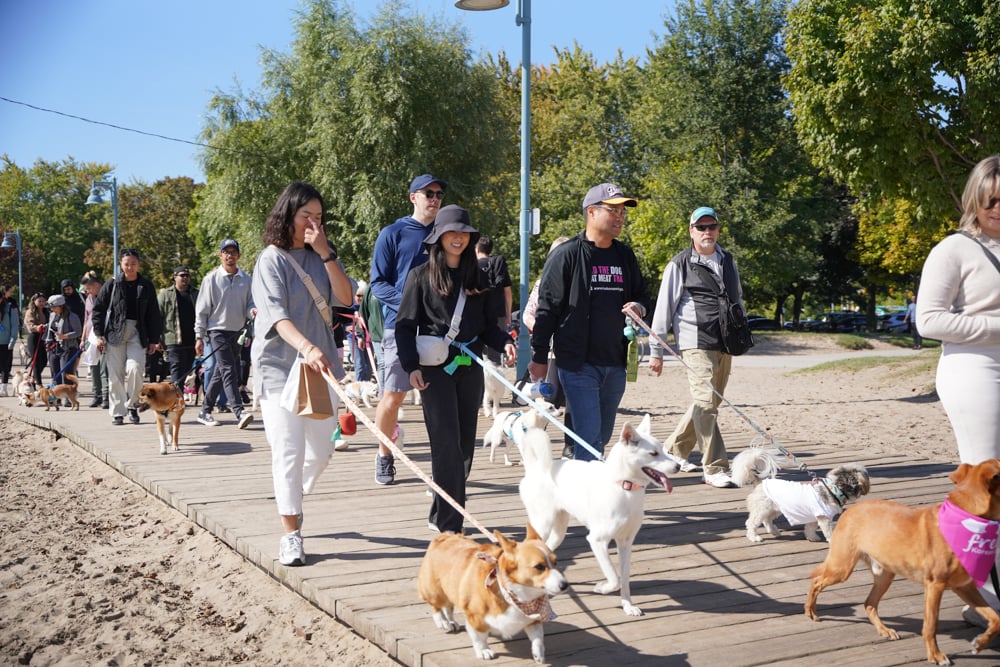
(183, 275)
(432, 194)
(707, 228)
(129, 252)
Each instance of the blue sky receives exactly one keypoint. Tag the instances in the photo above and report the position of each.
(153, 66)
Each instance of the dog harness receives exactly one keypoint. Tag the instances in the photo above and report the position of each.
(972, 539)
(799, 502)
(508, 426)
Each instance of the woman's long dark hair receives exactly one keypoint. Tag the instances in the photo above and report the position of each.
(440, 275)
(279, 230)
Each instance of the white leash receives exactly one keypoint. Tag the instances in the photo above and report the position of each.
(398, 453)
(768, 439)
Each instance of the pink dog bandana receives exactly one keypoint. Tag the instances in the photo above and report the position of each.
(973, 539)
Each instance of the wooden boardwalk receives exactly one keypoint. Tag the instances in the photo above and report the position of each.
(710, 597)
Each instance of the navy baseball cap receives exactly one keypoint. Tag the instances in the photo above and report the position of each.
(423, 180)
(607, 193)
(229, 243)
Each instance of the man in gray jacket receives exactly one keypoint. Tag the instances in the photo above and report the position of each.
(224, 305)
(688, 303)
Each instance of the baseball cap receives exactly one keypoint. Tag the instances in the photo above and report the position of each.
(423, 180)
(452, 218)
(700, 213)
(607, 193)
(229, 243)
(182, 269)
(57, 300)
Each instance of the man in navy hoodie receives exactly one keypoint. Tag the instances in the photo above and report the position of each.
(399, 248)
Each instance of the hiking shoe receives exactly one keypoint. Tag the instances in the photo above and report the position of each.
(385, 469)
(244, 420)
(207, 419)
(719, 480)
(117, 421)
(133, 415)
(687, 466)
(290, 549)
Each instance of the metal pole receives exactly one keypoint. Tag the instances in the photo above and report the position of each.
(20, 275)
(524, 20)
(114, 217)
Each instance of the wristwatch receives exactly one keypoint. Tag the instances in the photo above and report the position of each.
(331, 258)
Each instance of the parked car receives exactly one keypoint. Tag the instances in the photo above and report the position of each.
(894, 323)
(843, 321)
(758, 323)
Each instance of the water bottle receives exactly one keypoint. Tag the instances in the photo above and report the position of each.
(541, 389)
(632, 356)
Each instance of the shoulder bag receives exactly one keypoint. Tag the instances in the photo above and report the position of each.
(433, 350)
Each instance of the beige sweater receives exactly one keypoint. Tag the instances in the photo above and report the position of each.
(959, 298)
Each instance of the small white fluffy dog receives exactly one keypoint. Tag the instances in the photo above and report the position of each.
(814, 504)
(510, 426)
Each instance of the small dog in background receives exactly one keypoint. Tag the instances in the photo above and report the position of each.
(509, 427)
(504, 587)
(52, 395)
(493, 389)
(366, 392)
(24, 388)
(814, 504)
(168, 404)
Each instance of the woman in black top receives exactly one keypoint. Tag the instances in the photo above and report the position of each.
(452, 391)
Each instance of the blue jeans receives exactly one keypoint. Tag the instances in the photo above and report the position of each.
(592, 395)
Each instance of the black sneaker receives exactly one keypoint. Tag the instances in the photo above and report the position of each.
(244, 397)
(133, 415)
(117, 421)
(105, 405)
(96, 403)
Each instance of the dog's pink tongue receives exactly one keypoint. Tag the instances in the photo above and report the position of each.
(659, 477)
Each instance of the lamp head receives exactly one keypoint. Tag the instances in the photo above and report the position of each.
(7, 242)
(95, 196)
(481, 5)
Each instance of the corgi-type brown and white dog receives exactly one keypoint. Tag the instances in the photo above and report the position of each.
(503, 587)
(946, 546)
(24, 389)
(167, 403)
(51, 396)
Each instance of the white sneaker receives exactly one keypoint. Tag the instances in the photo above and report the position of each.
(687, 466)
(719, 480)
(245, 420)
(290, 549)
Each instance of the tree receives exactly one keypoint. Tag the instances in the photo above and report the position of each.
(897, 99)
(715, 130)
(357, 112)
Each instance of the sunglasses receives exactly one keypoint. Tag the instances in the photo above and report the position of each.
(707, 228)
(432, 194)
(182, 275)
(991, 204)
(129, 252)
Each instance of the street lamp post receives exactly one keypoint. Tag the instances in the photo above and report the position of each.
(522, 19)
(95, 198)
(16, 235)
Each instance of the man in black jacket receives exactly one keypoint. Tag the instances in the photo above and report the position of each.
(127, 323)
(586, 282)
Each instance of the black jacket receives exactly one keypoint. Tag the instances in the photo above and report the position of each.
(563, 314)
(108, 319)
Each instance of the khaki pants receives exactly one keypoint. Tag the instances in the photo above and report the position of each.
(699, 425)
(125, 362)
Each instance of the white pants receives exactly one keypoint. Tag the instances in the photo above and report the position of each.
(126, 364)
(968, 383)
(300, 452)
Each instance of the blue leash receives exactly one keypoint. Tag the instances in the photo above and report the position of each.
(538, 408)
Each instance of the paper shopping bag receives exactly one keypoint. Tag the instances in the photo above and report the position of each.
(314, 395)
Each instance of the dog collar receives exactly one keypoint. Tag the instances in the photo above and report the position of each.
(538, 610)
(629, 485)
(837, 494)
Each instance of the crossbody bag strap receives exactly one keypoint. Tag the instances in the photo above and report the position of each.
(321, 305)
(989, 255)
(456, 319)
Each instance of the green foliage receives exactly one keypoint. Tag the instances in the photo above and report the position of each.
(357, 112)
(897, 99)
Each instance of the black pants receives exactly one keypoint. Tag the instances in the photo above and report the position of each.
(59, 357)
(6, 361)
(226, 376)
(451, 410)
(36, 350)
(181, 360)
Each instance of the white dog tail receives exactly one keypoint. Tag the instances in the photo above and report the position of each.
(536, 450)
(755, 464)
